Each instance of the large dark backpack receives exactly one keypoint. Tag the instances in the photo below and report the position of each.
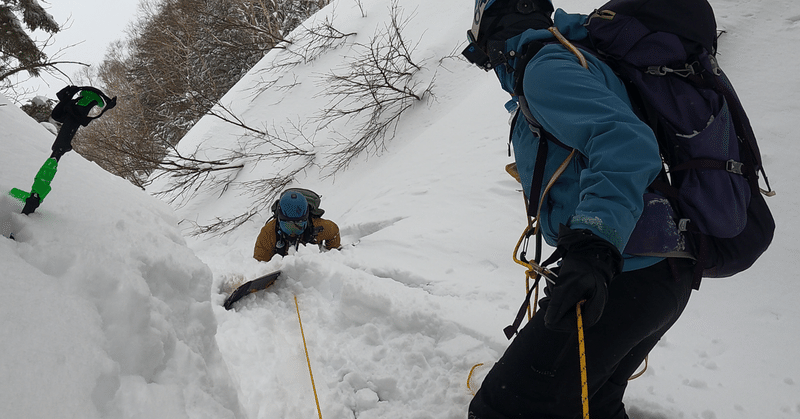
(665, 56)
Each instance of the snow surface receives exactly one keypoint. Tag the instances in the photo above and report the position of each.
(111, 310)
(105, 312)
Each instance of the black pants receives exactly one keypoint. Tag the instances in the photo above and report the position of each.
(538, 377)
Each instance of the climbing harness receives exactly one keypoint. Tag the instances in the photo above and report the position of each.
(534, 268)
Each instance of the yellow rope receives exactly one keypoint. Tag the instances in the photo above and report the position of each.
(557, 174)
(533, 223)
(569, 46)
(640, 373)
(469, 378)
(582, 355)
(308, 359)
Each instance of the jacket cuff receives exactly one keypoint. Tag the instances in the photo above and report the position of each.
(598, 227)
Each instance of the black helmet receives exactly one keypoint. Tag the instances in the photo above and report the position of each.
(495, 21)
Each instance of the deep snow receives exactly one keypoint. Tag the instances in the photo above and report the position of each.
(109, 312)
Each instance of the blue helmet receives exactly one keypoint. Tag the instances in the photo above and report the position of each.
(495, 21)
(292, 213)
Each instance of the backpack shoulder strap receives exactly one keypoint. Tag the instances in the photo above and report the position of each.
(528, 52)
(279, 238)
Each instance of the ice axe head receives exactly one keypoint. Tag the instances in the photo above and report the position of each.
(81, 104)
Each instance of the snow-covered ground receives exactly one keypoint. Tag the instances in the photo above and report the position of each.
(109, 312)
(104, 313)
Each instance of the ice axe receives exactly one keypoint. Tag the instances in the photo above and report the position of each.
(77, 106)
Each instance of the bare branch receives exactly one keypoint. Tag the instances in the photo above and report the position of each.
(35, 68)
(374, 91)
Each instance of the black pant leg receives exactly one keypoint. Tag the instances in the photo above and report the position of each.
(539, 375)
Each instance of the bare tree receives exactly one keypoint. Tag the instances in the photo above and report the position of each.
(374, 91)
(120, 141)
(17, 50)
(279, 146)
(376, 88)
(19, 53)
(360, 5)
(170, 75)
(180, 58)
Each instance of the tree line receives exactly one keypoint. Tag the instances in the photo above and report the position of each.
(179, 58)
(18, 51)
(182, 56)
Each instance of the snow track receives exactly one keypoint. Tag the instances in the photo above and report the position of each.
(379, 348)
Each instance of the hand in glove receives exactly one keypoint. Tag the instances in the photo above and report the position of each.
(587, 266)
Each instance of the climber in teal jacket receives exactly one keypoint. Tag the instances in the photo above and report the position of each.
(620, 250)
(603, 186)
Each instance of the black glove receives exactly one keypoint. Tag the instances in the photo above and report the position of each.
(587, 266)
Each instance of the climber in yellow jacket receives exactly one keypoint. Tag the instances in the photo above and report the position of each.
(293, 225)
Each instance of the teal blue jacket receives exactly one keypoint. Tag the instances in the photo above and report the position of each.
(589, 110)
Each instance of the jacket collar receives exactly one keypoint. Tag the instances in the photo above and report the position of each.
(570, 25)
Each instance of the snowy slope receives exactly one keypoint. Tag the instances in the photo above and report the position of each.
(395, 324)
(425, 283)
(442, 219)
(105, 312)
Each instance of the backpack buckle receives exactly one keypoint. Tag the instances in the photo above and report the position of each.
(658, 70)
(688, 69)
(734, 166)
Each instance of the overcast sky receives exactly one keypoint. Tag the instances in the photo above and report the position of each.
(90, 25)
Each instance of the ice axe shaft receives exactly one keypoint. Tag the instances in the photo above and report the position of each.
(63, 142)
